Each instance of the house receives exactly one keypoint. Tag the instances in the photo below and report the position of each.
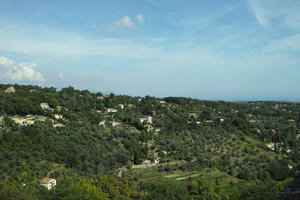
(149, 128)
(44, 106)
(22, 120)
(156, 161)
(49, 183)
(130, 105)
(192, 116)
(111, 110)
(58, 125)
(252, 121)
(157, 130)
(271, 145)
(147, 119)
(112, 124)
(100, 98)
(122, 172)
(162, 102)
(1, 121)
(10, 90)
(57, 116)
(102, 123)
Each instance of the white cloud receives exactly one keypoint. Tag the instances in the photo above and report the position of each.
(140, 18)
(125, 22)
(5, 62)
(262, 14)
(13, 71)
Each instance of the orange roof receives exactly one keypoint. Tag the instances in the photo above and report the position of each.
(45, 180)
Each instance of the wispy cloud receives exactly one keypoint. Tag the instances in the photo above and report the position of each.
(47, 42)
(152, 3)
(286, 44)
(17, 72)
(276, 12)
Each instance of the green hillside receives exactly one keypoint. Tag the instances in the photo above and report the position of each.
(121, 147)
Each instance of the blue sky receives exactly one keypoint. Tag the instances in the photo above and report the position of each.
(229, 49)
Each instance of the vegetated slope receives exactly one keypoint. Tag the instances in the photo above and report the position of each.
(87, 134)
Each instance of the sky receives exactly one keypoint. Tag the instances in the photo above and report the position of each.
(205, 49)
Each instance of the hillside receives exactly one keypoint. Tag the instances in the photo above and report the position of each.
(96, 145)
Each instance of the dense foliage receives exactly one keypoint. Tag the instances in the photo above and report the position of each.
(255, 145)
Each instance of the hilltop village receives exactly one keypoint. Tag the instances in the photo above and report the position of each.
(53, 138)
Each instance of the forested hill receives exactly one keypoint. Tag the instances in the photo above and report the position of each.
(121, 147)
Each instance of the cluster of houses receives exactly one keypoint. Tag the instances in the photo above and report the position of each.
(31, 119)
(109, 112)
(192, 117)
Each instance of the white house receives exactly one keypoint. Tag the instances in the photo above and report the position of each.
(147, 119)
(49, 183)
(121, 106)
(58, 116)
(102, 123)
(111, 110)
(252, 121)
(271, 145)
(149, 128)
(44, 106)
(10, 90)
(22, 120)
(58, 125)
(114, 124)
